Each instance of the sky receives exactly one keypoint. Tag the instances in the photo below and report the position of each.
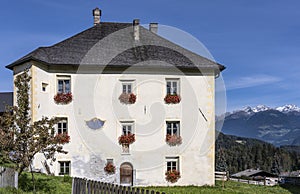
(258, 41)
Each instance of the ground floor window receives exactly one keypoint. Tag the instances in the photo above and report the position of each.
(65, 167)
(172, 163)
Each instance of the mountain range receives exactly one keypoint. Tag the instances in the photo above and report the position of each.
(279, 126)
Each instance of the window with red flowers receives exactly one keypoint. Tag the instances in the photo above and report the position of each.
(64, 94)
(62, 126)
(172, 172)
(172, 91)
(173, 137)
(127, 96)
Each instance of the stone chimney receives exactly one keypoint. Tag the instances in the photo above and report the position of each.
(136, 29)
(153, 27)
(97, 15)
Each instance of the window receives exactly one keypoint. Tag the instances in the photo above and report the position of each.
(127, 87)
(44, 87)
(110, 161)
(127, 128)
(63, 84)
(172, 86)
(172, 163)
(173, 128)
(64, 167)
(62, 126)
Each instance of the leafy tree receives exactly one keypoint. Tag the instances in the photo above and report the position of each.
(21, 138)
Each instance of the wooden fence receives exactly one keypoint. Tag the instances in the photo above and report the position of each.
(221, 176)
(8, 177)
(252, 182)
(84, 186)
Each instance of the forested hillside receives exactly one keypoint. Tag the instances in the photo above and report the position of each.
(236, 154)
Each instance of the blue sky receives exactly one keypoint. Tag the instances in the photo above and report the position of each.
(258, 41)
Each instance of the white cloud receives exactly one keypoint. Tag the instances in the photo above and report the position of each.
(250, 81)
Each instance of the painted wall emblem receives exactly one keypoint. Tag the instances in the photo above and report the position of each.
(95, 123)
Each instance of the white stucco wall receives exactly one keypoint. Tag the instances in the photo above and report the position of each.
(96, 95)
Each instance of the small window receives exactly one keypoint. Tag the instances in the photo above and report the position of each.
(172, 86)
(173, 128)
(172, 163)
(110, 161)
(62, 126)
(65, 167)
(127, 87)
(127, 128)
(63, 84)
(44, 87)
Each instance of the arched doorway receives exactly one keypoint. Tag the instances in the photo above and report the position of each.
(126, 174)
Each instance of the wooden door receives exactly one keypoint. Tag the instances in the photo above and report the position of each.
(126, 174)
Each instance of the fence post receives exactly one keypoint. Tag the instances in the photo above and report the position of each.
(137, 191)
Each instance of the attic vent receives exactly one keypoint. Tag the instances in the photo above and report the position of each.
(97, 15)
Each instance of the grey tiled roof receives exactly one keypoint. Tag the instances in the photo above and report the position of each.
(6, 98)
(252, 172)
(112, 44)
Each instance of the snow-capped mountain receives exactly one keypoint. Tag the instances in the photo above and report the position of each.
(260, 108)
(279, 125)
(288, 108)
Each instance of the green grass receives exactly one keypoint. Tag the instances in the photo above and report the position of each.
(44, 184)
(63, 185)
(230, 188)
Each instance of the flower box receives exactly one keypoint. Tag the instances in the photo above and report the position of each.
(127, 98)
(172, 99)
(172, 176)
(63, 98)
(62, 138)
(126, 139)
(173, 140)
(110, 168)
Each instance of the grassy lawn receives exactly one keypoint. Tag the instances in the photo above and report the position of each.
(44, 184)
(63, 185)
(230, 188)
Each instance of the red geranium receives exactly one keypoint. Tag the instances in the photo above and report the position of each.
(172, 99)
(127, 98)
(172, 176)
(127, 139)
(63, 98)
(173, 140)
(110, 168)
(62, 138)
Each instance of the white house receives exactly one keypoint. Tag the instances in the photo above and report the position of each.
(117, 79)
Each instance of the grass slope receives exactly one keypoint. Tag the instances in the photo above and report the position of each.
(44, 184)
(63, 185)
(230, 188)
